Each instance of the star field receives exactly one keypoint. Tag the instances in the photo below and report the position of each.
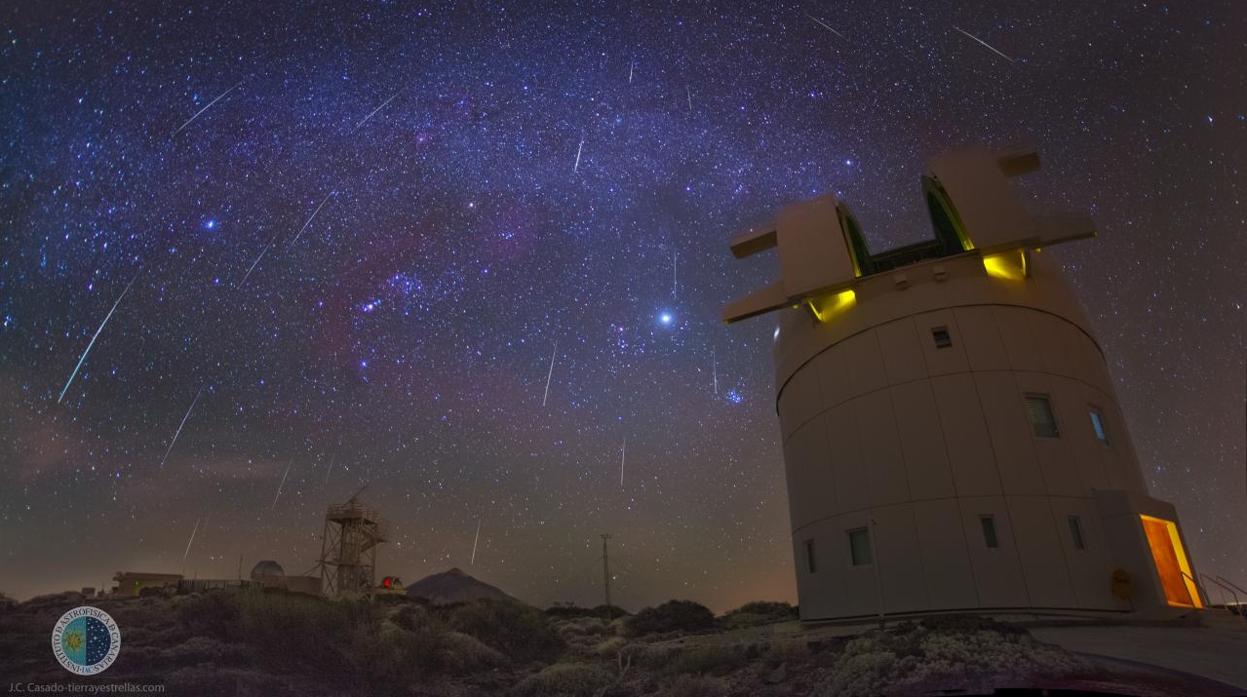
(367, 241)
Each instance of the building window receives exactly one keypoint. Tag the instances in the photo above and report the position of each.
(1039, 411)
(809, 556)
(1097, 424)
(941, 336)
(989, 531)
(1075, 531)
(859, 547)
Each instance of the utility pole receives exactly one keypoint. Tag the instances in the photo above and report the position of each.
(606, 576)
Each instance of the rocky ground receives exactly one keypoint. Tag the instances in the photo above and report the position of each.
(273, 643)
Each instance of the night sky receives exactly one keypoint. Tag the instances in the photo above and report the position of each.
(357, 233)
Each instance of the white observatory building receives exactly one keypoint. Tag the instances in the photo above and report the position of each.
(951, 437)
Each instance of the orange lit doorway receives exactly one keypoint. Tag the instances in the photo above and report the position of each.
(1171, 564)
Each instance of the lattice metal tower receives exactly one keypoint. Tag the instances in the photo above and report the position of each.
(348, 553)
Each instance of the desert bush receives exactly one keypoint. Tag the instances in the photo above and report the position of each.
(582, 626)
(464, 654)
(611, 647)
(694, 686)
(582, 634)
(565, 680)
(671, 616)
(519, 632)
(213, 614)
(968, 623)
(758, 613)
(883, 662)
(300, 632)
(199, 650)
(785, 652)
(708, 659)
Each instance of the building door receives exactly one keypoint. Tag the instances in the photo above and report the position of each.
(1171, 564)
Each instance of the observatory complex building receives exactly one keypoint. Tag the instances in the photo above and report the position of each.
(952, 441)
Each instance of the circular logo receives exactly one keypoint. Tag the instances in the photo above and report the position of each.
(86, 640)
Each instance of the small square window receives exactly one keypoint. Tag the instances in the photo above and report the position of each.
(1097, 424)
(1039, 411)
(1075, 531)
(942, 337)
(859, 547)
(809, 557)
(989, 531)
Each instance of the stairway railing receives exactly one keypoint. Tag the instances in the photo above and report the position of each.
(1223, 589)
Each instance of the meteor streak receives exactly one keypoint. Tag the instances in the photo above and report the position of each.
(197, 113)
(550, 374)
(474, 543)
(309, 220)
(825, 26)
(714, 371)
(179, 431)
(984, 43)
(93, 338)
(674, 283)
(257, 260)
(188, 544)
(279, 486)
(576, 167)
(374, 111)
(623, 457)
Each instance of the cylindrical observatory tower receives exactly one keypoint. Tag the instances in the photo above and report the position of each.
(951, 437)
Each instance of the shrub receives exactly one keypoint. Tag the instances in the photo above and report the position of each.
(759, 613)
(611, 647)
(565, 680)
(712, 659)
(694, 686)
(884, 662)
(213, 614)
(671, 616)
(520, 632)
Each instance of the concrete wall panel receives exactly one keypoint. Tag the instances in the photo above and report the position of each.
(1005, 412)
(965, 436)
(1039, 549)
(945, 560)
(865, 364)
(978, 334)
(880, 448)
(808, 450)
(997, 571)
(902, 355)
(852, 491)
(922, 441)
(1014, 327)
(900, 559)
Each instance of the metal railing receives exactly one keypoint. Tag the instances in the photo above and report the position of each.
(1224, 588)
(1230, 583)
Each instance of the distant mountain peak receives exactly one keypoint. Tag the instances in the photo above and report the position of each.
(454, 586)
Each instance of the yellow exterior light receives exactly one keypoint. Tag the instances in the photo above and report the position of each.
(1010, 265)
(1171, 564)
(828, 306)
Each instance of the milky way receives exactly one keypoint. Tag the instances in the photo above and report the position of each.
(366, 235)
